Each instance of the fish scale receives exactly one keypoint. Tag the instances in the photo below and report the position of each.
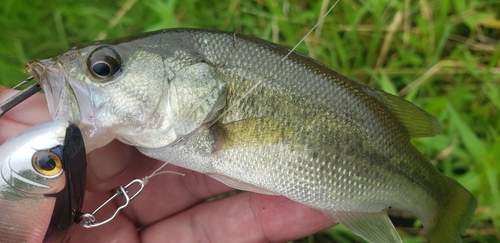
(233, 107)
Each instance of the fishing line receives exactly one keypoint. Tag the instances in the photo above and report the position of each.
(311, 30)
(249, 91)
(157, 172)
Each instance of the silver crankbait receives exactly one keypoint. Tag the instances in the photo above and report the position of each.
(42, 183)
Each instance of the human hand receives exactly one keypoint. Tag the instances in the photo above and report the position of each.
(171, 208)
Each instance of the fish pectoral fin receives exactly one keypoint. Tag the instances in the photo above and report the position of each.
(373, 227)
(417, 122)
(240, 185)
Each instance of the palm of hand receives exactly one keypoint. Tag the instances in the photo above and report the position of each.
(171, 208)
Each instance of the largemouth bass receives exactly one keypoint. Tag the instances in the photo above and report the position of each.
(42, 183)
(234, 107)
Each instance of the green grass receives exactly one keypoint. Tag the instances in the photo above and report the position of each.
(442, 55)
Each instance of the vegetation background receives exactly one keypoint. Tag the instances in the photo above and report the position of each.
(442, 55)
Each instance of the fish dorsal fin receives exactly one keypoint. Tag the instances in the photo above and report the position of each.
(373, 227)
(417, 122)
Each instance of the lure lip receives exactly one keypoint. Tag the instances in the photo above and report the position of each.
(70, 200)
(21, 96)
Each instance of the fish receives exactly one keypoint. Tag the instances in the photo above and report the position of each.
(42, 184)
(261, 118)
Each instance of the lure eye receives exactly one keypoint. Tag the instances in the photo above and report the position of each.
(103, 63)
(47, 163)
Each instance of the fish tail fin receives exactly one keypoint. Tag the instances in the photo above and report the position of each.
(453, 217)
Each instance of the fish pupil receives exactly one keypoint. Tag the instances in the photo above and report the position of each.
(47, 163)
(101, 69)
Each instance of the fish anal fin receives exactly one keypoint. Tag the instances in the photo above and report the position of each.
(373, 227)
(240, 185)
(417, 122)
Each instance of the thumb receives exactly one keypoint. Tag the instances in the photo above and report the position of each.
(28, 113)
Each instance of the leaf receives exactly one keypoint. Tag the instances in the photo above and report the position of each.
(490, 23)
(386, 84)
(468, 137)
(479, 18)
(493, 94)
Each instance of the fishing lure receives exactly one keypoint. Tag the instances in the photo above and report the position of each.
(42, 183)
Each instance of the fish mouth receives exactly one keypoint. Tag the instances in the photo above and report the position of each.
(60, 95)
(67, 98)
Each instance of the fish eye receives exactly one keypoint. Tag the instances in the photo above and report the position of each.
(47, 163)
(103, 63)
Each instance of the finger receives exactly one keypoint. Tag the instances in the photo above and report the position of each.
(164, 195)
(115, 164)
(246, 217)
(30, 112)
(119, 229)
(10, 128)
